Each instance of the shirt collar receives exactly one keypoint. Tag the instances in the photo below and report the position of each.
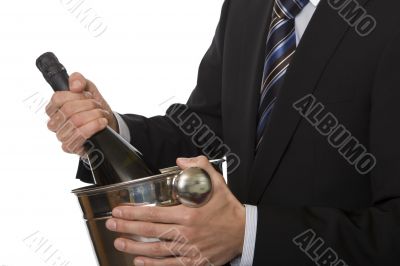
(314, 2)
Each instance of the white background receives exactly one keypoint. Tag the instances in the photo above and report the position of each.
(148, 54)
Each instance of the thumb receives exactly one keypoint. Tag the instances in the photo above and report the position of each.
(203, 163)
(77, 82)
(200, 161)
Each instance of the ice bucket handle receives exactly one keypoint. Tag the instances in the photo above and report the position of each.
(192, 187)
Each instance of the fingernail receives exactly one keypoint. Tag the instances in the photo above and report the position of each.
(76, 84)
(117, 213)
(120, 244)
(139, 262)
(183, 160)
(111, 225)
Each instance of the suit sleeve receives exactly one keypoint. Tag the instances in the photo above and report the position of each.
(371, 236)
(160, 139)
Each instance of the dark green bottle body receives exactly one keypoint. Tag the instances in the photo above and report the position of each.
(114, 160)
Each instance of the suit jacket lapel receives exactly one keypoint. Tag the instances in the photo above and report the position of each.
(323, 35)
(246, 89)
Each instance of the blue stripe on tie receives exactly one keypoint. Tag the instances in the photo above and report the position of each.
(276, 27)
(277, 34)
(284, 9)
(277, 54)
(277, 46)
(280, 46)
(273, 82)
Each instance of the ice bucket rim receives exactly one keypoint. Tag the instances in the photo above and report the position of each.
(93, 189)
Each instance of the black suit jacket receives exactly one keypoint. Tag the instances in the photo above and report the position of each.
(297, 179)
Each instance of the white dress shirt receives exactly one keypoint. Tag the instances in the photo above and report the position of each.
(246, 259)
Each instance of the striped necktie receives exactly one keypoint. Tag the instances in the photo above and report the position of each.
(281, 45)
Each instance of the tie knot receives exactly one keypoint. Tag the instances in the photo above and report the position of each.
(289, 8)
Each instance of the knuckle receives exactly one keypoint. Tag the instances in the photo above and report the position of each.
(188, 217)
(202, 160)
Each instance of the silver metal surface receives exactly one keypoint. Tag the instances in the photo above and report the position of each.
(191, 187)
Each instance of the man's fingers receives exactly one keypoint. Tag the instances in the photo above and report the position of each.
(80, 89)
(71, 109)
(56, 122)
(83, 118)
(74, 107)
(150, 214)
(153, 249)
(200, 161)
(93, 127)
(173, 261)
(66, 132)
(59, 98)
(78, 114)
(75, 144)
(145, 229)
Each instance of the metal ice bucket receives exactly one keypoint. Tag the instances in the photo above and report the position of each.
(191, 187)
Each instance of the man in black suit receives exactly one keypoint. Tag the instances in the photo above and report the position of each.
(319, 174)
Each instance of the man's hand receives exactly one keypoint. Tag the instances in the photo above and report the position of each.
(78, 114)
(213, 233)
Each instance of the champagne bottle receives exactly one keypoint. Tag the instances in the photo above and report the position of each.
(112, 159)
